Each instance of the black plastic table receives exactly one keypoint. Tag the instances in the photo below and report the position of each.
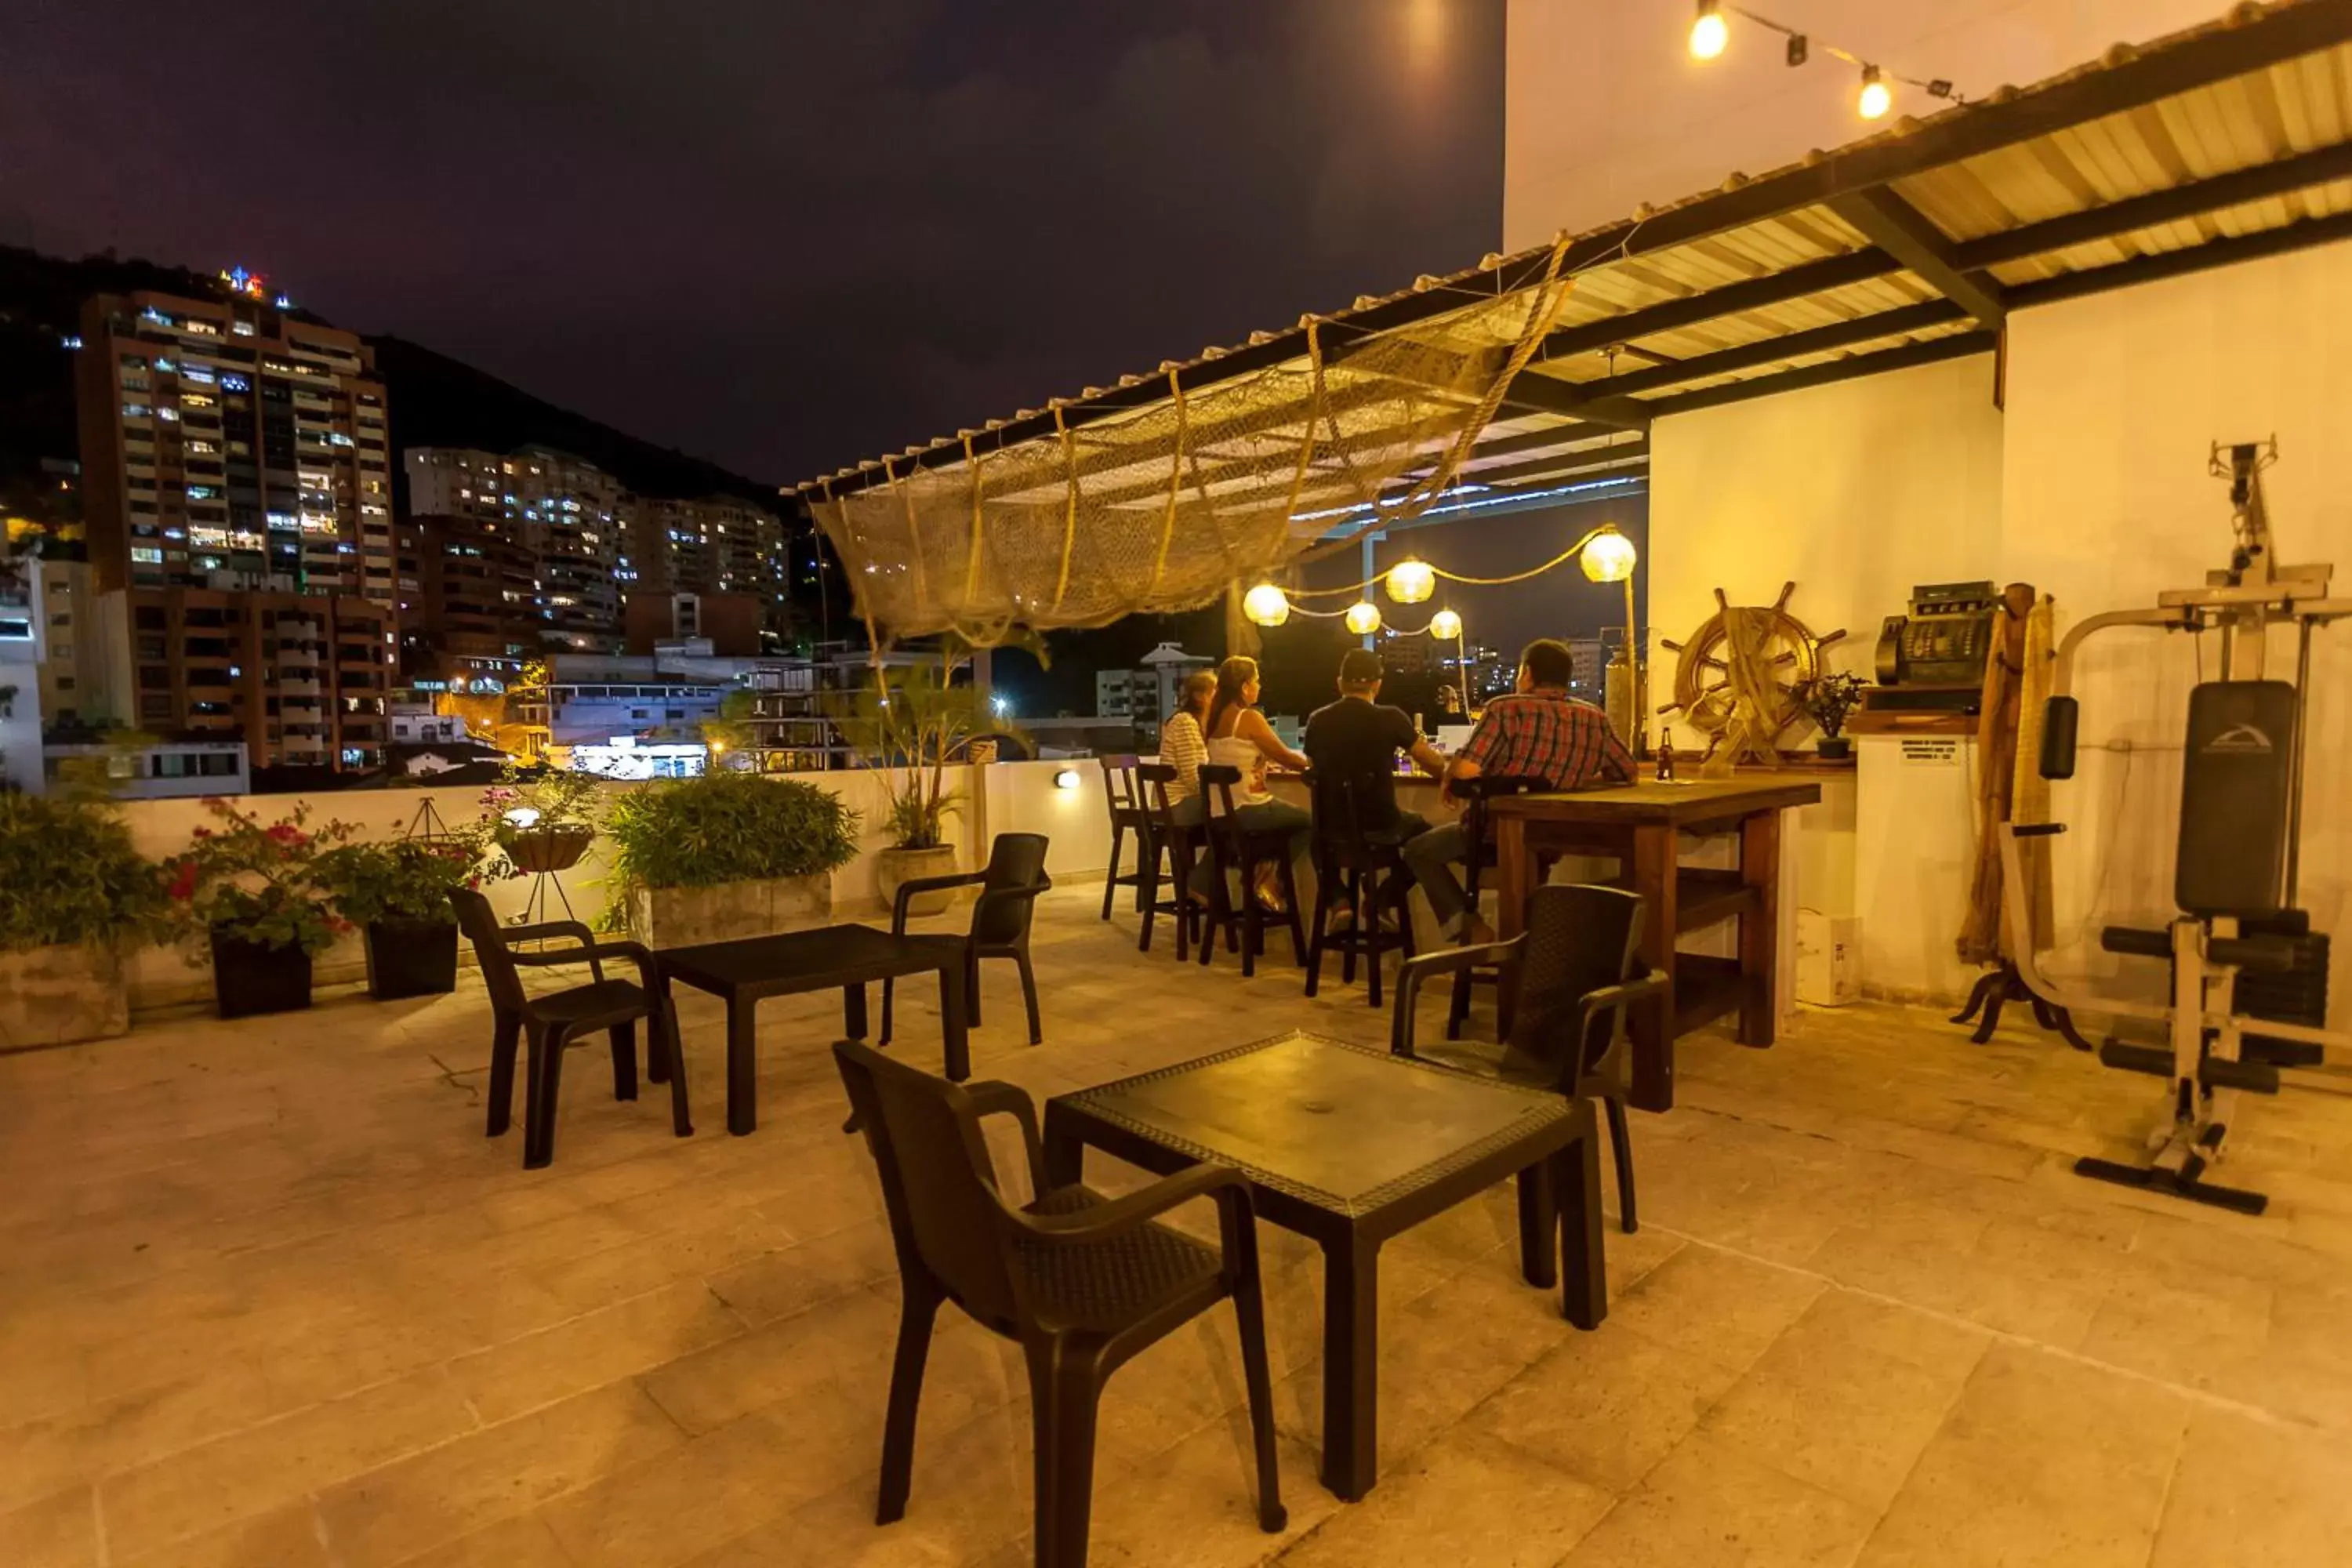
(748, 972)
(1351, 1146)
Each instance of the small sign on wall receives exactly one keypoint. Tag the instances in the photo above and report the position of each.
(1932, 753)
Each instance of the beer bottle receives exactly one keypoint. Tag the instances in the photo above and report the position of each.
(1665, 754)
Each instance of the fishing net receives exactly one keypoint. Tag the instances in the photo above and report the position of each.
(1164, 506)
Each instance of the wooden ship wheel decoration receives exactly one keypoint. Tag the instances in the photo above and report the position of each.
(1787, 655)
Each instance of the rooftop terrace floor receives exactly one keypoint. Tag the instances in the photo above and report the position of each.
(270, 1299)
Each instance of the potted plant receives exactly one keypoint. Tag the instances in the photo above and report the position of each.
(544, 820)
(726, 854)
(1827, 700)
(73, 894)
(397, 892)
(247, 895)
(908, 724)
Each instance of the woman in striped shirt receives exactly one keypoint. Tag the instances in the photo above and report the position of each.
(1184, 747)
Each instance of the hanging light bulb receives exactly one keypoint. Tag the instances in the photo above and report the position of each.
(1266, 605)
(1445, 625)
(1411, 581)
(1364, 618)
(1876, 98)
(1608, 557)
(1710, 32)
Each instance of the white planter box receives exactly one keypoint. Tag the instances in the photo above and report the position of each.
(52, 995)
(681, 916)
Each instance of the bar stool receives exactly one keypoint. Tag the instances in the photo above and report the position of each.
(1359, 871)
(1239, 851)
(1126, 816)
(1163, 835)
(1477, 858)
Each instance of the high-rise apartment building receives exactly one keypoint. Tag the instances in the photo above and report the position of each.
(225, 443)
(571, 515)
(468, 600)
(237, 494)
(717, 544)
(301, 677)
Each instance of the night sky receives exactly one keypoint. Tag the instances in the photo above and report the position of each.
(783, 235)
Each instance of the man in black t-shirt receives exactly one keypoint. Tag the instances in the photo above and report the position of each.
(1359, 738)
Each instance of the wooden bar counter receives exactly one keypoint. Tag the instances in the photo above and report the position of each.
(1640, 826)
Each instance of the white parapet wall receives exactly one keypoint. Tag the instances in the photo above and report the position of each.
(1009, 797)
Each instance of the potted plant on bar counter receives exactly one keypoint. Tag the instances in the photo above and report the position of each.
(1827, 700)
(397, 892)
(248, 896)
(73, 894)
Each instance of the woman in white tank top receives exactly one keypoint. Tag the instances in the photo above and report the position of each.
(1239, 736)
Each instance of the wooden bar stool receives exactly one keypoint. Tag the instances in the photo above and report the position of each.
(1126, 816)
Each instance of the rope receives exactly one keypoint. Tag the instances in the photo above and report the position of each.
(1425, 491)
(1175, 483)
(914, 526)
(972, 560)
(1564, 556)
(1070, 507)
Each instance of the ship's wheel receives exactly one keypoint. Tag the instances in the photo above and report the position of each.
(1704, 689)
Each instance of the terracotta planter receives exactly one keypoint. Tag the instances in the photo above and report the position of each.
(894, 866)
(250, 978)
(53, 995)
(543, 849)
(681, 916)
(411, 958)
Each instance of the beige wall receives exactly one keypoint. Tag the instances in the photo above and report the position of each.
(2092, 486)
(1605, 108)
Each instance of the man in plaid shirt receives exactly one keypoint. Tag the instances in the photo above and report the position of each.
(1536, 732)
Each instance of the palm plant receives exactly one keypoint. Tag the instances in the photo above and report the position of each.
(909, 723)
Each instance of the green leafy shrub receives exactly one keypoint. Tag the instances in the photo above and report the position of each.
(726, 827)
(256, 882)
(69, 874)
(402, 878)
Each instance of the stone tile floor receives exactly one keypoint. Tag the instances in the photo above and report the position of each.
(270, 1299)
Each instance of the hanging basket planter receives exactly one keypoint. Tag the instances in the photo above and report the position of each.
(538, 850)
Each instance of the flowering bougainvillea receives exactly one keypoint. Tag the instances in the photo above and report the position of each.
(256, 881)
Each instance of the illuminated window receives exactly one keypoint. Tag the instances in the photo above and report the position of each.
(134, 411)
(148, 553)
(230, 382)
(170, 414)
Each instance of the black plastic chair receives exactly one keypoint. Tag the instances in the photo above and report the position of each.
(1082, 1282)
(1165, 839)
(1477, 859)
(1359, 871)
(1237, 851)
(1127, 814)
(551, 1020)
(1572, 975)
(1009, 885)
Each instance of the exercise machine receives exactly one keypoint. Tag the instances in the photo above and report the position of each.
(2248, 997)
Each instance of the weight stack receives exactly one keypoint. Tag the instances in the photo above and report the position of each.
(2297, 996)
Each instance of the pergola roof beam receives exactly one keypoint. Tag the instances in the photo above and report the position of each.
(1903, 232)
(1956, 346)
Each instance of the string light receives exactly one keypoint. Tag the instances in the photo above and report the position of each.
(1710, 32)
(1876, 98)
(1710, 36)
(1266, 605)
(1412, 581)
(1364, 618)
(1445, 625)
